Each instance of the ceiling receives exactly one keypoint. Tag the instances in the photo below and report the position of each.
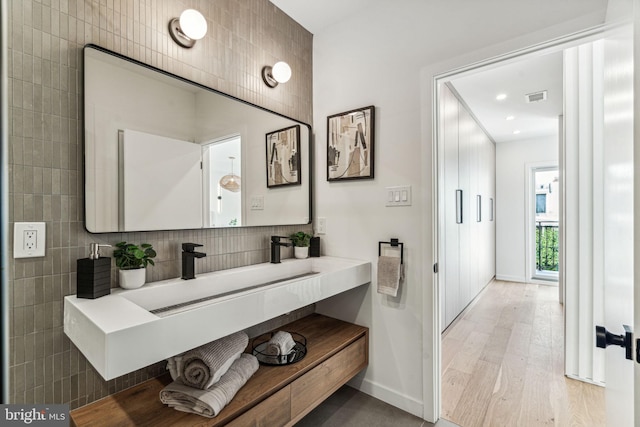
(316, 15)
(517, 79)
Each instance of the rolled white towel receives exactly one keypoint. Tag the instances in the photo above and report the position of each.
(205, 365)
(210, 402)
(281, 343)
(174, 366)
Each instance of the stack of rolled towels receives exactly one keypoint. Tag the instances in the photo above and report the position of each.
(280, 347)
(206, 378)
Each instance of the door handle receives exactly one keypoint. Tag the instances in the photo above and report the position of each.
(458, 206)
(605, 338)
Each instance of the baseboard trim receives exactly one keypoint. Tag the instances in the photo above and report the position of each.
(392, 397)
(586, 380)
(544, 282)
(511, 278)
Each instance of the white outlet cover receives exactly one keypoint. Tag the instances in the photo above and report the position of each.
(19, 248)
(321, 227)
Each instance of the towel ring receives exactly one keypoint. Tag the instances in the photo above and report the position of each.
(393, 243)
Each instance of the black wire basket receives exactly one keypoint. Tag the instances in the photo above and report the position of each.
(259, 347)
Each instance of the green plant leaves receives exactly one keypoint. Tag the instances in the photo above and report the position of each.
(300, 239)
(129, 256)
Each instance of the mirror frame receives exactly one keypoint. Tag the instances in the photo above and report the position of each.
(200, 86)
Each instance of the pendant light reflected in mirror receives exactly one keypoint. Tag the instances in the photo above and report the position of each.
(231, 182)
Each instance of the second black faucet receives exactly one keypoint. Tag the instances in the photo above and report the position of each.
(275, 248)
(188, 260)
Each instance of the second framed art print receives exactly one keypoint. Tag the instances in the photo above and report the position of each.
(283, 157)
(350, 144)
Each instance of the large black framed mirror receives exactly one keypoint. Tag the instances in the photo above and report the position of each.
(165, 153)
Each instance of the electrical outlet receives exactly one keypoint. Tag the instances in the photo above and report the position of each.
(29, 239)
(321, 228)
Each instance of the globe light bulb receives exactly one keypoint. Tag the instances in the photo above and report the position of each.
(193, 24)
(281, 72)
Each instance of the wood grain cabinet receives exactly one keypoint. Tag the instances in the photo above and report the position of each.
(274, 396)
(273, 411)
(315, 386)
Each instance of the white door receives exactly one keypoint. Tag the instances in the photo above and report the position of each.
(619, 221)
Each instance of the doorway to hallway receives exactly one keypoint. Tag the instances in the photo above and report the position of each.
(540, 258)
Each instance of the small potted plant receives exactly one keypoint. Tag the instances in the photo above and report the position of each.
(301, 242)
(132, 261)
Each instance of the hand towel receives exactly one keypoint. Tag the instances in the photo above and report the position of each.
(281, 343)
(390, 272)
(174, 365)
(204, 366)
(210, 402)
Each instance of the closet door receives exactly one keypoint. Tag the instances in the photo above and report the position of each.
(469, 186)
(449, 134)
(484, 226)
(492, 224)
(467, 164)
(479, 205)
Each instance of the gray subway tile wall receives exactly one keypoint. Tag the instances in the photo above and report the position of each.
(45, 149)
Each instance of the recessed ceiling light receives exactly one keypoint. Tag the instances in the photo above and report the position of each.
(501, 97)
(515, 132)
(510, 117)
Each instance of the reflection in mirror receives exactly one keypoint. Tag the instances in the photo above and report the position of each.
(163, 153)
(223, 202)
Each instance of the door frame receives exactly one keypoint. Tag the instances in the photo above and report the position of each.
(4, 203)
(529, 240)
(432, 366)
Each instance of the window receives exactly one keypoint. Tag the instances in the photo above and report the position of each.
(541, 203)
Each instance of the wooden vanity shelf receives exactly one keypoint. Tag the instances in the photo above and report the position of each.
(274, 396)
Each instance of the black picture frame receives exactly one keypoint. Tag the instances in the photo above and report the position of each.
(350, 144)
(283, 157)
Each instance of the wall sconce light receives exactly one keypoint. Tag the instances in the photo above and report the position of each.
(279, 73)
(188, 28)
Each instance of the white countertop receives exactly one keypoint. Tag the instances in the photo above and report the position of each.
(118, 334)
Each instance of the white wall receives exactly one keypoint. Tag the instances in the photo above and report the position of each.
(387, 56)
(512, 159)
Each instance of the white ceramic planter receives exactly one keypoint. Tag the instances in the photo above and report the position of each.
(301, 252)
(132, 279)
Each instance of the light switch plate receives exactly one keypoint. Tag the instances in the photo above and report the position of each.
(29, 239)
(257, 203)
(398, 196)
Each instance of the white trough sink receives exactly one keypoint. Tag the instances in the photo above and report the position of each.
(130, 329)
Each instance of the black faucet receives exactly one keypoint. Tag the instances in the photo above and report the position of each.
(275, 248)
(188, 260)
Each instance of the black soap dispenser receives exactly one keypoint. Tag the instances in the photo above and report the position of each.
(94, 274)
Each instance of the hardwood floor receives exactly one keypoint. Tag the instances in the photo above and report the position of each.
(502, 363)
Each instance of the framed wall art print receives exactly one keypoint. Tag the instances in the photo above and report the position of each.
(350, 144)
